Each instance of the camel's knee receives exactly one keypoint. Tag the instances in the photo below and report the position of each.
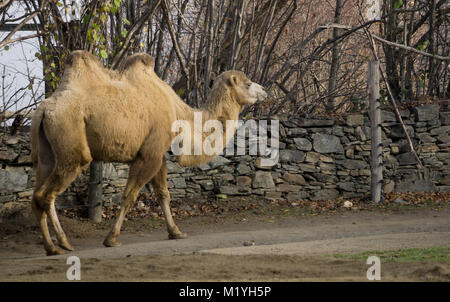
(162, 194)
(60, 179)
(160, 190)
(39, 202)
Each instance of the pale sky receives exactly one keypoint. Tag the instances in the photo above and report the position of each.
(18, 65)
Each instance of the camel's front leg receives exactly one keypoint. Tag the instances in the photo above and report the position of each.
(129, 197)
(159, 183)
(141, 171)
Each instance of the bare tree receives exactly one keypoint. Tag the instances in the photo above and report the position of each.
(334, 57)
(287, 45)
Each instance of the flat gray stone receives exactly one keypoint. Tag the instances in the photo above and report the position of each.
(296, 131)
(307, 167)
(173, 167)
(443, 138)
(243, 169)
(263, 179)
(352, 164)
(179, 182)
(109, 171)
(287, 156)
(302, 144)
(294, 178)
(346, 186)
(285, 187)
(440, 130)
(325, 194)
(325, 178)
(12, 141)
(235, 190)
(13, 181)
(8, 156)
(445, 118)
(426, 137)
(397, 131)
(204, 167)
(407, 158)
(355, 120)
(6, 198)
(388, 117)
(243, 181)
(314, 122)
(206, 184)
(326, 143)
(219, 161)
(428, 112)
(415, 186)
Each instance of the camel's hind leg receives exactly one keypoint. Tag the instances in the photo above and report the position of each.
(159, 184)
(141, 171)
(44, 206)
(52, 179)
(60, 235)
(44, 169)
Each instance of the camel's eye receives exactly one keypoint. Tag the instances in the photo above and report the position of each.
(248, 84)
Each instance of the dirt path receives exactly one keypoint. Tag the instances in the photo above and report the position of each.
(289, 248)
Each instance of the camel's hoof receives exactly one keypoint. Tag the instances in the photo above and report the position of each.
(66, 245)
(111, 242)
(178, 236)
(55, 251)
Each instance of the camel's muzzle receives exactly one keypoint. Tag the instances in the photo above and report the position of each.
(260, 92)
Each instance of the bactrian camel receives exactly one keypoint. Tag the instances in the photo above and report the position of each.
(118, 116)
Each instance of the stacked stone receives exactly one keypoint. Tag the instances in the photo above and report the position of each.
(319, 159)
(429, 130)
(16, 177)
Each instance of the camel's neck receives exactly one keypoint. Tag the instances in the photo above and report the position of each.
(220, 108)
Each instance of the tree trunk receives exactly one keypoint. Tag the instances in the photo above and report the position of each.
(432, 66)
(334, 58)
(392, 55)
(209, 46)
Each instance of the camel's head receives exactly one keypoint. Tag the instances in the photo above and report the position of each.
(245, 91)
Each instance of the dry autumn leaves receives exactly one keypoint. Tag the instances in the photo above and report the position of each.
(147, 207)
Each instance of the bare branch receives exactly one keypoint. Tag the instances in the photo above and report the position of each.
(392, 99)
(408, 48)
(8, 39)
(175, 42)
(136, 27)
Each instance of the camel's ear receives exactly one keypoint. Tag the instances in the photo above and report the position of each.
(232, 81)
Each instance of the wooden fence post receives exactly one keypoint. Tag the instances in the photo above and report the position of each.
(375, 126)
(95, 192)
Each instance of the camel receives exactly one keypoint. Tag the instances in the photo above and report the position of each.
(98, 114)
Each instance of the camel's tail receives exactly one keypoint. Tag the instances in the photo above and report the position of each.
(36, 133)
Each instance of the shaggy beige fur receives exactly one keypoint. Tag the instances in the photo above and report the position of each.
(118, 116)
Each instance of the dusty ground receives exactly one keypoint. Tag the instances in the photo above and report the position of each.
(280, 243)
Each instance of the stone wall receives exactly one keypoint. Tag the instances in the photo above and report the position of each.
(319, 159)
